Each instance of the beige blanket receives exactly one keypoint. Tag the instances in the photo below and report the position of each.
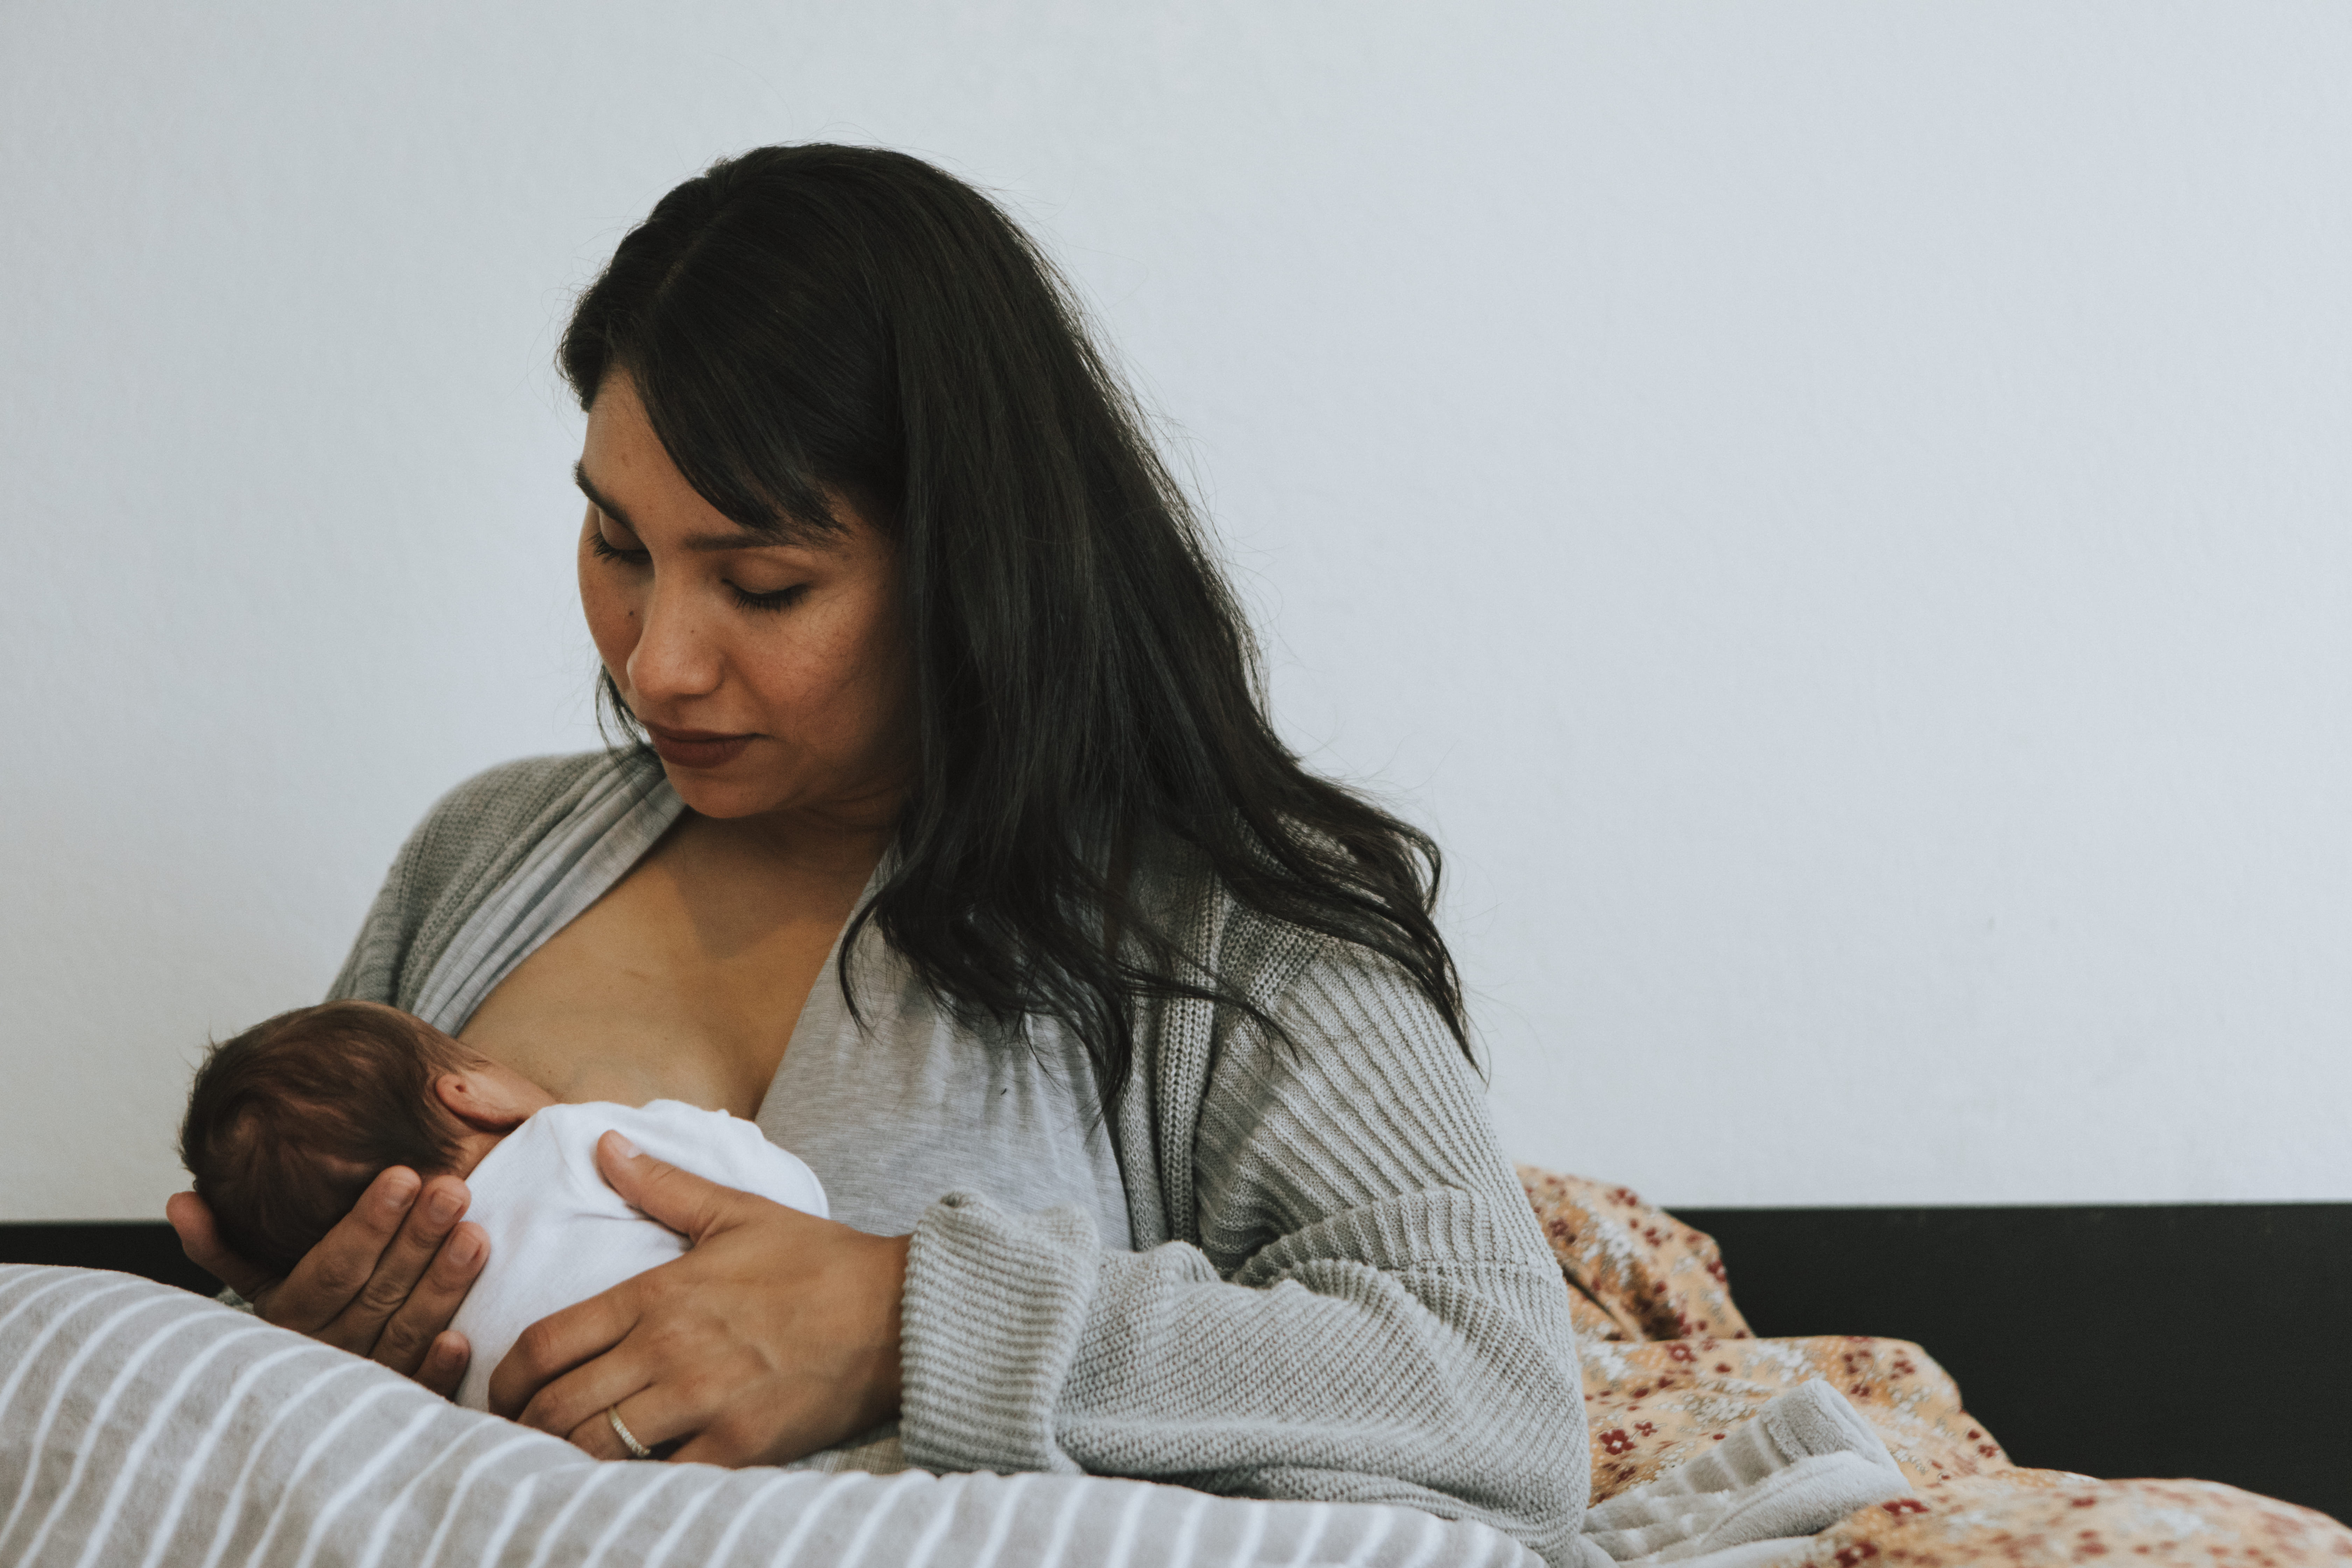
(1669, 1364)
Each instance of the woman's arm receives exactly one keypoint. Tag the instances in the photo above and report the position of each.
(1372, 1315)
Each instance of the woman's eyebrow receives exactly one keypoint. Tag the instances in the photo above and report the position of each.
(741, 539)
(597, 498)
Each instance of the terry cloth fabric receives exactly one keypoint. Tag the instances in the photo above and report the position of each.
(559, 1234)
(1800, 1463)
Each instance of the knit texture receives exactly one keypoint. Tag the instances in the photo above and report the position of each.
(1339, 1293)
(466, 849)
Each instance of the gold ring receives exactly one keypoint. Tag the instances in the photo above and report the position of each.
(628, 1439)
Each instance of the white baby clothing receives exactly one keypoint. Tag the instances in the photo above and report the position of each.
(559, 1234)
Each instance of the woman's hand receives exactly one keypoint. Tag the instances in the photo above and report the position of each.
(382, 1284)
(776, 1335)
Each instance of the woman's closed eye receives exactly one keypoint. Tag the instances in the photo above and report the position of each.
(774, 599)
(606, 548)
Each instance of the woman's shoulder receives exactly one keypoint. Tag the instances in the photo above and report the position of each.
(528, 786)
(500, 801)
(497, 815)
(467, 842)
(1253, 953)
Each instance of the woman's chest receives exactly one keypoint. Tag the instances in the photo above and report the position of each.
(666, 988)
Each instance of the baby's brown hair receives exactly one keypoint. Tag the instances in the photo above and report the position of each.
(290, 1120)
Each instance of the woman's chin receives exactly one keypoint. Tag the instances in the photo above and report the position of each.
(708, 792)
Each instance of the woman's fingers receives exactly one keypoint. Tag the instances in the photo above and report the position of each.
(350, 1285)
(727, 1441)
(655, 1416)
(536, 1384)
(445, 1361)
(417, 1324)
(383, 1283)
(320, 1288)
(775, 1334)
(192, 1217)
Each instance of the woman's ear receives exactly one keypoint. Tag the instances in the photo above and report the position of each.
(488, 1099)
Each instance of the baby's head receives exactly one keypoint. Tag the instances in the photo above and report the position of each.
(290, 1120)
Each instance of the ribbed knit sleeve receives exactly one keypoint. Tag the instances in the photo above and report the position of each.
(1371, 1315)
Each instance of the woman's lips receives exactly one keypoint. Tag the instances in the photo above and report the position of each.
(697, 748)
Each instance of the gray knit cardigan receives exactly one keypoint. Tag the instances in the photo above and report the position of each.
(1339, 1291)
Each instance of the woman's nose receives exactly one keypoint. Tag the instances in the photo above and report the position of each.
(675, 656)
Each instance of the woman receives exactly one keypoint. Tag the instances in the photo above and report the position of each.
(965, 859)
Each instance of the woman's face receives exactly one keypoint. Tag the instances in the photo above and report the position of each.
(772, 677)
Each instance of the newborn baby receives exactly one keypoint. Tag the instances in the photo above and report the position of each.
(290, 1120)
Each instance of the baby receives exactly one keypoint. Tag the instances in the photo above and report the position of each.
(290, 1120)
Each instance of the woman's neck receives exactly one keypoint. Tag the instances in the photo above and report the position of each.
(832, 845)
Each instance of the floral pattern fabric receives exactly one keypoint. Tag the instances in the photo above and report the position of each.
(1670, 1365)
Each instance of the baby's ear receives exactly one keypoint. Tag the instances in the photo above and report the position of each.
(482, 1101)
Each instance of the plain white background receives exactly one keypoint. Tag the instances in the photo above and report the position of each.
(1836, 515)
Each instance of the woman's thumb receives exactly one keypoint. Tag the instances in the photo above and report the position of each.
(684, 1202)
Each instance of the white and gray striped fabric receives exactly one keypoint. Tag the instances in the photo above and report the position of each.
(142, 1426)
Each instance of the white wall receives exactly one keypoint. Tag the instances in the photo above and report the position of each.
(1836, 514)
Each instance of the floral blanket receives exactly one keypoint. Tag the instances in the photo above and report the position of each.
(1669, 1364)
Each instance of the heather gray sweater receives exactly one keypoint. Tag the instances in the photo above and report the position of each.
(1336, 1289)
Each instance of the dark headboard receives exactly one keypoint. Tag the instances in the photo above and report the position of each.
(2204, 1339)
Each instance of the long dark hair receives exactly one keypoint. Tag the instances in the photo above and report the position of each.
(801, 319)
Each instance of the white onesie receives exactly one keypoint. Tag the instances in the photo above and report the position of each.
(559, 1235)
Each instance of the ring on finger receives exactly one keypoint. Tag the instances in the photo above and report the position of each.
(628, 1439)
